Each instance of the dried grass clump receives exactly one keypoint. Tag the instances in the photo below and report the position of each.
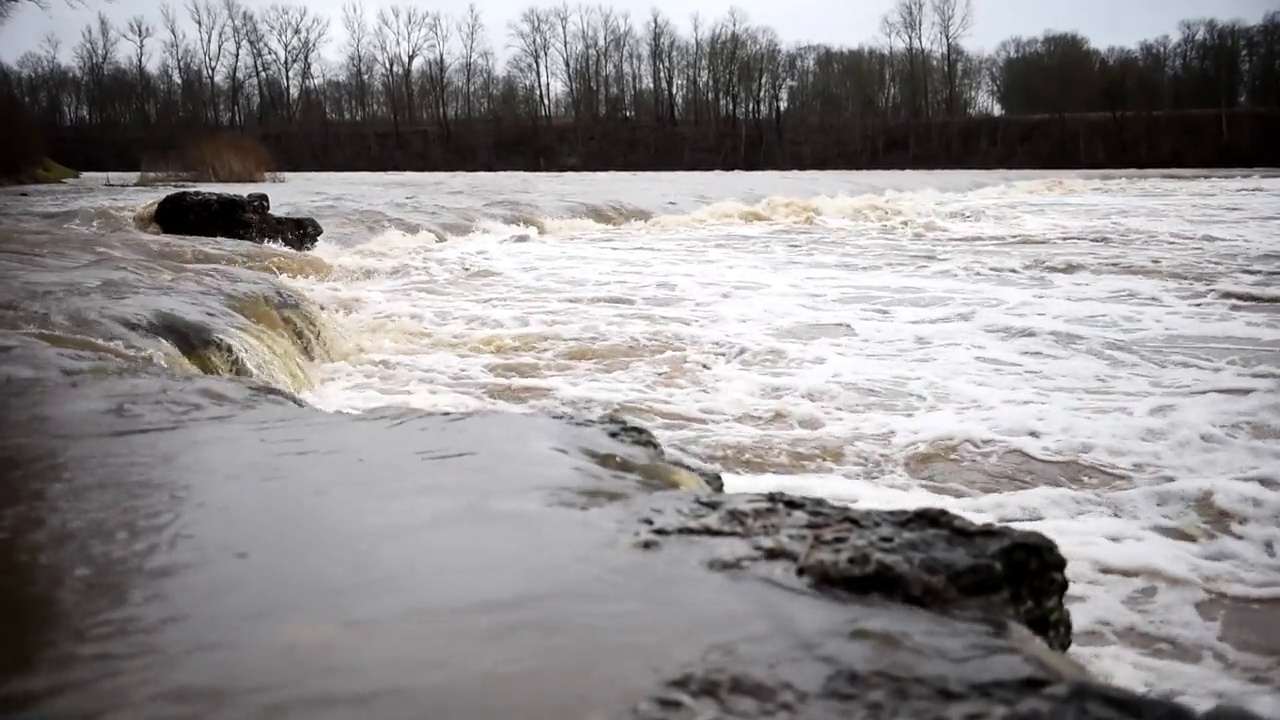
(224, 158)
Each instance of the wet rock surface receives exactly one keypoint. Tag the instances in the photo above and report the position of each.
(928, 558)
(958, 692)
(241, 217)
(938, 616)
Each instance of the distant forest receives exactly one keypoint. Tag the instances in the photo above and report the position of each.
(588, 87)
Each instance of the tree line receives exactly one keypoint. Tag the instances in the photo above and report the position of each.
(589, 86)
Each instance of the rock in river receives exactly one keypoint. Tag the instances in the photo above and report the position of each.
(946, 619)
(927, 558)
(240, 217)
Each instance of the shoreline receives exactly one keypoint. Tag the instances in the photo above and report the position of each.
(1117, 172)
(45, 172)
(1239, 138)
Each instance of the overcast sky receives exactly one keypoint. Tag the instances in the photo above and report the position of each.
(836, 22)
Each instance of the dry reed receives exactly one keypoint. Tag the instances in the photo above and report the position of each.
(222, 158)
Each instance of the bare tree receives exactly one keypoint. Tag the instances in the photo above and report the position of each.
(294, 36)
(439, 64)
(234, 58)
(471, 36)
(95, 54)
(401, 40)
(531, 40)
(583, 73)
(622, 43)
(952, 20)
(174, 63)
(137, 33)
(259, 65)
(695, 68)
(358, 55)
(212, 31)
(568, 52)
(661, 40)
(908, 22)
(7, 7)
(590, 69)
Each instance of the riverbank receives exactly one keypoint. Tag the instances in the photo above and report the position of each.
(1182, 139)
(44, 172)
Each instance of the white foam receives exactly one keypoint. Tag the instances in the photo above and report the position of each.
(800, 323)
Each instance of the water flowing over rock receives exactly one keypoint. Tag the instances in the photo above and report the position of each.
(927, 558)
(659, 468)
(938, 616)
(240, 217)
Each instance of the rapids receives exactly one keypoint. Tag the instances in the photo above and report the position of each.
(1095, 356)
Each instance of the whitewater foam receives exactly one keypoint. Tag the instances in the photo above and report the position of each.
(1094, 356)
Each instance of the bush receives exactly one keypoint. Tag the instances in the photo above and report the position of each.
(223, 158)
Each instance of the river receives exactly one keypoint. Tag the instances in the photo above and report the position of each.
(1092, 355)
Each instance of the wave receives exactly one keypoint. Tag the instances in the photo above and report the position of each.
(112, 302)
(281, 337)
(880, 209)
(425, 220)
(227, 323)
(597, 220)
(1254, 295)
(918, 210)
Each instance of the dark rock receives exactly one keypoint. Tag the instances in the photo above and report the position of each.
(934, 632)
(1229, 712)
(928, 558)
(258, 203)
(299, 233)
(960, 692)
(208, 214)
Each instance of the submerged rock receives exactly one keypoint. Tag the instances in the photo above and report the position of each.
(239, 217)
(660, 466)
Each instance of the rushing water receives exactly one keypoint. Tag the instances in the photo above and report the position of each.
(1095, 356)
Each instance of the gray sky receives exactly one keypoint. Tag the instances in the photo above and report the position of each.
(836, 22)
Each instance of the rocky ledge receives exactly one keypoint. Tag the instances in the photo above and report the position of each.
(239, 217)
(947, 619)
